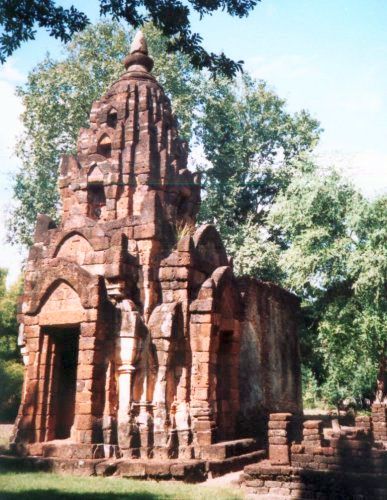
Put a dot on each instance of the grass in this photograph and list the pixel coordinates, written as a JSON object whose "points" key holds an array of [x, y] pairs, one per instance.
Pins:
{"points": [[46, 486]]}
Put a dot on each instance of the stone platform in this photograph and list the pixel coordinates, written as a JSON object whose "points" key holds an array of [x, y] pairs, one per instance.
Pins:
{"points": [[104, 460]]}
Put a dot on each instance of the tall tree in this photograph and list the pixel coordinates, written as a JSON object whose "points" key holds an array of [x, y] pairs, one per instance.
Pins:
{"points": [[336, 260], [19, 20], [253, 145]]}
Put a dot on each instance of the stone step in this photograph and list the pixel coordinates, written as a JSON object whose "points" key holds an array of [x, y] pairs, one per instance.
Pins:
{"points": [[183, 470], [236, 463], [189, 470], [228, 449]]}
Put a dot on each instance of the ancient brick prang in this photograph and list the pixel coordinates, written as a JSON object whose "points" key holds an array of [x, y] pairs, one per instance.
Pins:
{"points": [[138, 339]]}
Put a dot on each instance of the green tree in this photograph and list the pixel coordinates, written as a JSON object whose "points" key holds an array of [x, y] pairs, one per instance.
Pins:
{"points": [[19, 21], [57, 99], [11, 370], [336, 260], [253, 145], [8, 323]]}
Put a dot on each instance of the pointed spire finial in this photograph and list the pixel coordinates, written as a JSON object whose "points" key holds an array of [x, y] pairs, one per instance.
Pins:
{"points": [[138, 60], [139, 44]]}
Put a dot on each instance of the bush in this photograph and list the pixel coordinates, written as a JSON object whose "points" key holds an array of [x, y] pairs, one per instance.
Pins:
{"points": [[311, 394], [11, 376]]}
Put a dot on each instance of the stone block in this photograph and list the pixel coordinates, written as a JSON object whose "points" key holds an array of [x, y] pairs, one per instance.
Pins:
{"points": [[280, 416], [278, 440], [278, 424], [159, 470], [279, 454], [277, 433], [131, 468], [313, 424]]}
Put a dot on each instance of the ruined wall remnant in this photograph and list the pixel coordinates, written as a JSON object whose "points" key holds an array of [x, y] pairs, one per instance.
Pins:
{"points": [[270, 376], [321, 461], [138, 342]]}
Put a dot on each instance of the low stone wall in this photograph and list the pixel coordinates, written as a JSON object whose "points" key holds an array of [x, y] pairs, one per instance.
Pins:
{"points": [[294, 482], [347, 449], [322, 462], [106, 460]]}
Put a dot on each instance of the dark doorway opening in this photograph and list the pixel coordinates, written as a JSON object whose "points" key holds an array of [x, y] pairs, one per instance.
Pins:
{"points": [[65, 342], [225, 424]]}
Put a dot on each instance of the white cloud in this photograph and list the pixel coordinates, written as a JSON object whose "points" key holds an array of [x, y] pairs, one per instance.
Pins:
{"points": [[9, 72], [349, 101], [366, 169]]}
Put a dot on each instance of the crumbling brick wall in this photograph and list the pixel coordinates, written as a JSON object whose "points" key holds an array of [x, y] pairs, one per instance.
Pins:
{"points": [[270, 377]]}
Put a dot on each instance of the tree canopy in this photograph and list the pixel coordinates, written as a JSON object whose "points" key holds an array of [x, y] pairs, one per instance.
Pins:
{"points": [[336, 260], [253, 145], [19, 20]]}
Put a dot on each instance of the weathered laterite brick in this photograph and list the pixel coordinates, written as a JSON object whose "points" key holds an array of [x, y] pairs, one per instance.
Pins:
{"points": [[137, 335]]}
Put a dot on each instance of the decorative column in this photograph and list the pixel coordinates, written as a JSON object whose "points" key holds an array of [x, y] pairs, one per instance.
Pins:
{"points": [[128, 351]]}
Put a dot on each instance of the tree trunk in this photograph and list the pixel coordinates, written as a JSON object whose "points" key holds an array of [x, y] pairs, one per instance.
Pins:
{"points": [[381, 382]]}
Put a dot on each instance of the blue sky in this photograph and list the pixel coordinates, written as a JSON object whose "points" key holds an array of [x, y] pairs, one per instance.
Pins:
{"points": [[327, 56]]}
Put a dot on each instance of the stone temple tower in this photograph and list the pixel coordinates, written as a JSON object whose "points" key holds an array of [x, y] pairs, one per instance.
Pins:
{"points": [[138, 340]]}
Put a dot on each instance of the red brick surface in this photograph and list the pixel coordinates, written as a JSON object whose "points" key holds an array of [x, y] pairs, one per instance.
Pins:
{"points": [[132, 319]]}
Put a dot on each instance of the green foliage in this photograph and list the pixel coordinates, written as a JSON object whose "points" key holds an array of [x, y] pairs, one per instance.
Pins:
{"points": [[11, 371], [8, 323], [19, 21], [11, 376], [252, 144], [335, 259], [254, 254], [57, 99], [314, 216], [311, 393]]}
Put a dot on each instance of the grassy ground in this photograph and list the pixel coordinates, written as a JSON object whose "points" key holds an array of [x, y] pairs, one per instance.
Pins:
{"points": [[46, 486]]}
